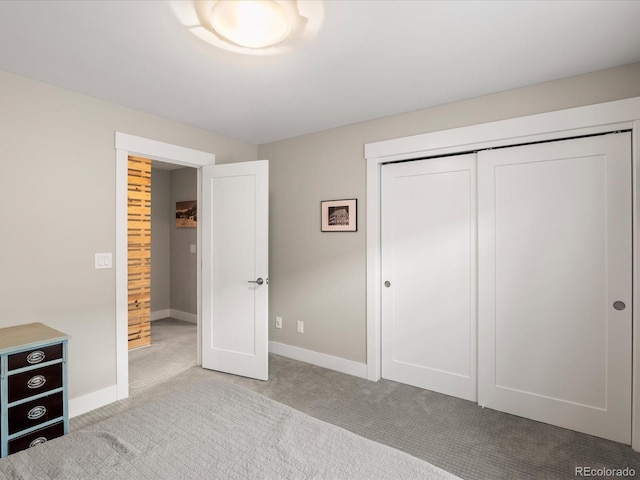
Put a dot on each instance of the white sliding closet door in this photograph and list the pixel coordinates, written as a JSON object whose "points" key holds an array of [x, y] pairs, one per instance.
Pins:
{"points": [[429, 270], [555, 283]]}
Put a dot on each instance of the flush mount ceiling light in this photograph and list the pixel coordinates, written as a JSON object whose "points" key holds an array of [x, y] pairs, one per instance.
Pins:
{"points": [[251, 23], [253, 27]]}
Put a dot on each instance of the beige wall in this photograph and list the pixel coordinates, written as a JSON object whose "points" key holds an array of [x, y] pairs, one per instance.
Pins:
{"points": [[57, 202], [57, 192], [320, 278], [184, 271], [160, 240], [173, 267]]}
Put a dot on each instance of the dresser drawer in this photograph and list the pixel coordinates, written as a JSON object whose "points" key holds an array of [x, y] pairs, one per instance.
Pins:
{"points": [[34, 382], [35, 356], [35, 438], [35, 412]]}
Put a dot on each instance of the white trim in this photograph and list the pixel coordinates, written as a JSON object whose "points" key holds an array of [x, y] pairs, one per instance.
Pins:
{"points": [[93, 400], [600, 118], [635, 387], [541, 126], [164, 152], [131, 145], [338, 364], [184, 316], [374, 272], [199, 273], [160, 314], [122, 312], [173, 313]]}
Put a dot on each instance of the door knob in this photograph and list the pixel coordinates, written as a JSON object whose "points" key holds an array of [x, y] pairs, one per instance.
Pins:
{"points": [[387, 284], [259, 281]]}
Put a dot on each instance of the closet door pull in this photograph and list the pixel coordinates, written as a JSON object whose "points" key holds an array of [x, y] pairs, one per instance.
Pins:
{"points": [[618, 305]]}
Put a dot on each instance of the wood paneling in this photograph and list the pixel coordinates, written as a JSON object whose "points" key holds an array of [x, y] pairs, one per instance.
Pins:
{"points": [[139, 251]]}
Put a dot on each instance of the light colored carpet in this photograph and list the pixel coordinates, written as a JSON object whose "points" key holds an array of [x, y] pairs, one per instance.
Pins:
{"points": [[451, 433], [172, 351], [214, 430]]}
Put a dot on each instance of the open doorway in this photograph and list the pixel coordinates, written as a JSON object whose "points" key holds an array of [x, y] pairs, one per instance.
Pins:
{"points": [[173, 308], [244, 186], [127, 145]]}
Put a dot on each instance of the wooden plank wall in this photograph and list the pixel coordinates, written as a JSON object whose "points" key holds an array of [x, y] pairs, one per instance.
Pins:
{"points": [[139, 251]]}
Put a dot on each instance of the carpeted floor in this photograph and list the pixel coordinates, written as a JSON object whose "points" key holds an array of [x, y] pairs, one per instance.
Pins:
{"points": [[451, 433]]}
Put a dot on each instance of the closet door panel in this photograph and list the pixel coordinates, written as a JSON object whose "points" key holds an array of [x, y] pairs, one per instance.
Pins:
{"points": [[429, 307], [554, 255]]}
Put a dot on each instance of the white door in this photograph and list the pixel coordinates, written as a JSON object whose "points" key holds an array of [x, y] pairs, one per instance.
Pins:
{"points": [[429, 274], [235, 288], [554, 239]]}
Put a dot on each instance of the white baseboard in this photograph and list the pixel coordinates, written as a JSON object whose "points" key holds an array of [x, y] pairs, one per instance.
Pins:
{"points": [[173, 313], [184, 316], [91, 401], [320, 359], [160, 314]]}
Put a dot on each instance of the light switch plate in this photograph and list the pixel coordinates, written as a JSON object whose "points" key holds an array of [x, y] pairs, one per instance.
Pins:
{"points": [[103, 260]]}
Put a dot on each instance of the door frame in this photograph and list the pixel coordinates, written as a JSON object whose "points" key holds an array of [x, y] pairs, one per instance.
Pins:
{"points": [[574, 122], [126, 145]]}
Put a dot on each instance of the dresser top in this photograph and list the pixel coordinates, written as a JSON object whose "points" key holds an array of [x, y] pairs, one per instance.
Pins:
{"points": [[31, 334]]}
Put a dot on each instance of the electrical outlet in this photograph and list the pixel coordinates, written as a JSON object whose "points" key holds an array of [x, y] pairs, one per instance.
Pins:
{"points": [[300, 326], [278, 322]]}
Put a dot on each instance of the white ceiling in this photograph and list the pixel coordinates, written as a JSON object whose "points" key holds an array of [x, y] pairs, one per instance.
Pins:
{"points": [[371, 58]]}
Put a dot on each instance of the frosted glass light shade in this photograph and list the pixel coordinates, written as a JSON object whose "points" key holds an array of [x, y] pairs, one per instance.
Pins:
{"points": [[250, 23]]}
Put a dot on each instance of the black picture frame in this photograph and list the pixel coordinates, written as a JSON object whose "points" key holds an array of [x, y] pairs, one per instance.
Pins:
{"points": [[339, 215]]}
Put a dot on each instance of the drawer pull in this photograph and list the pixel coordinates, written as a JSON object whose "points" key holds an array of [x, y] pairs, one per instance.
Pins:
{"points": [[37, 441], [35, 357], [36, 382], [37, 412]]}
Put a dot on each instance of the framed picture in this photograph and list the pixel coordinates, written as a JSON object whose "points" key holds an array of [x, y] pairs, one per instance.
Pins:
{"points": [[186, 214], [339, 215]]}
